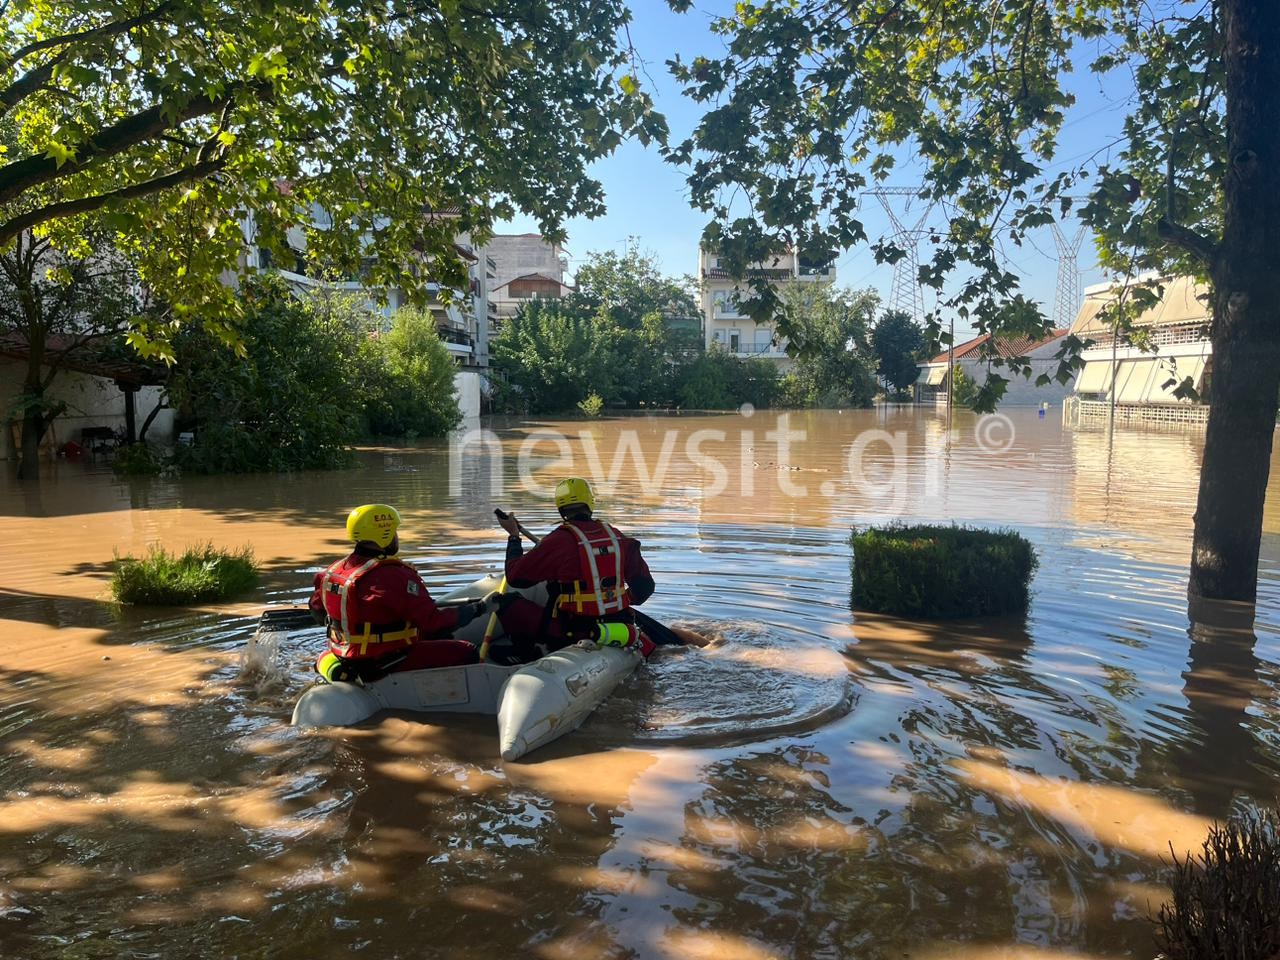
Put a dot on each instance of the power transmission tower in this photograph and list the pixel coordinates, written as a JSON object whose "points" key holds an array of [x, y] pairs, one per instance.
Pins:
{"points": [[1066, 301], [904, 296]]}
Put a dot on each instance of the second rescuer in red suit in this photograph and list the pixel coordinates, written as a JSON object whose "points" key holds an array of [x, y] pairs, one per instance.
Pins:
{"points": [[555, 560]]}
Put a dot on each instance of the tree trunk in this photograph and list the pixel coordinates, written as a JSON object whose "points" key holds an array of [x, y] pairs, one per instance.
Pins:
{"points": [[1246, 315], [34, 422], [33, 427], [161, 404]]}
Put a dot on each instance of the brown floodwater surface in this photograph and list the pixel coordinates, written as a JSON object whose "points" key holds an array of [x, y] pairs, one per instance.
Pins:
{"points": [[813, 784]]}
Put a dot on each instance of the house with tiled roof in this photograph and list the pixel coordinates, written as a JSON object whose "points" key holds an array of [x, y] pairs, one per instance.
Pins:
{"points": [[974, 358]]}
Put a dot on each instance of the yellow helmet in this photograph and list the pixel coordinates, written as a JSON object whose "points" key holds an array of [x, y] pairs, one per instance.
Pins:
{"points": [[574, 491], [374, 522]]}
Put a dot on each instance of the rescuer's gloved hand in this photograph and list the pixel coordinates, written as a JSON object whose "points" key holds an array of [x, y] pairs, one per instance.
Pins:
{"points": [[469, 611]]}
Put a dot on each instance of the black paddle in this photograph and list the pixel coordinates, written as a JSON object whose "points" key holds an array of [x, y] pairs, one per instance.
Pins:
{"points": [[660, 634], [287, 618]]}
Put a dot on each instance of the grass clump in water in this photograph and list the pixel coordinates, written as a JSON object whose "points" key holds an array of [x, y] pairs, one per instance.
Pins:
{"points": [[201, 573], [933, 572], [1226, 902]]}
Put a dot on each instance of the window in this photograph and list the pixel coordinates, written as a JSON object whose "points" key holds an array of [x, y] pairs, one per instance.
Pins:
{"points": [[726, 304]]}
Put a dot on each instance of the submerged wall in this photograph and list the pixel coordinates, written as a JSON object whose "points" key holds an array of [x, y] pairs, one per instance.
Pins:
{"points": [[466, 384], [91, 402]]}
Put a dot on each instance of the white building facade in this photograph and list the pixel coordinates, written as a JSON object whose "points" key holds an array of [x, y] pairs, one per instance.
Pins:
{"points": [[727, 326], [461, 316], [1134, 376]]}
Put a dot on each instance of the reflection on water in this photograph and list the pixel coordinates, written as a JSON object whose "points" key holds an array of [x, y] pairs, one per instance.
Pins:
{"points": [[815, 784]]}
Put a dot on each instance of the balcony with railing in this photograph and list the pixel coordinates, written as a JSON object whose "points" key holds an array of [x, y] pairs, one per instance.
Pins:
{"points": [[761, 350], [456, 340], [1165, 336]]}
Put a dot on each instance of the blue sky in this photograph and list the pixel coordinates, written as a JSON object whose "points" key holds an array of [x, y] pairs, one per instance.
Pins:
{"points": [[647, 198]]}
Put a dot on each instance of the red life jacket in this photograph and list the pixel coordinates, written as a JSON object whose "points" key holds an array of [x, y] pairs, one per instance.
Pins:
{"points": [[600, 589], [361, 640]]}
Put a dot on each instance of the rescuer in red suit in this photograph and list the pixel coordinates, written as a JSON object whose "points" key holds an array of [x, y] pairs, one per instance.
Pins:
{"points": [[594, 573], [379, 614]]}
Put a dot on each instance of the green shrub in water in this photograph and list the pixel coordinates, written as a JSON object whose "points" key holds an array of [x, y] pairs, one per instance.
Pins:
{"points": [[1226, 902], [201, 573], [592, 405], [929, 571], [138, 460]]}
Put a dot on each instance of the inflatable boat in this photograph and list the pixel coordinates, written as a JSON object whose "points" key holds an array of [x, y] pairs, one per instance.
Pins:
{"points": [[535, 703]]}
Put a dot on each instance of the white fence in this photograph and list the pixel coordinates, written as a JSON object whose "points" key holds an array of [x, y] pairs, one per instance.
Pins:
{"points": [[1076, 411]]}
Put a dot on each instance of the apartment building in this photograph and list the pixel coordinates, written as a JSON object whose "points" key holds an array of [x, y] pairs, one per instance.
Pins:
{"points": [[727, 326], [462, 316], [526, 267]]}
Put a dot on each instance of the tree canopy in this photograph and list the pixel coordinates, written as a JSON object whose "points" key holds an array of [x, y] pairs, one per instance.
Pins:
{"points": [[837, 369], [897, 342], [813, 104], [631, 286], [383, 128]]}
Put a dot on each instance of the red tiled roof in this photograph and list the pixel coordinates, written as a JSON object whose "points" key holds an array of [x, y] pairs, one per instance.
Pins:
{"points": [[1005, 346]]}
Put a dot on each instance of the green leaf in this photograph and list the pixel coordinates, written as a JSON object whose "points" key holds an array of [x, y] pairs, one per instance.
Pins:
{"points": [[59, 153]]}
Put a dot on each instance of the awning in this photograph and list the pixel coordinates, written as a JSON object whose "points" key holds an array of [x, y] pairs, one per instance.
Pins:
{"points": [[931, 376], [1132, 379], [1095, 377], [1176, 369]]}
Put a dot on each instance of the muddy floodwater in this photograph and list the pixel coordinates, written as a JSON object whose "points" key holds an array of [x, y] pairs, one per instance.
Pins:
{"points": [[815, 784]]}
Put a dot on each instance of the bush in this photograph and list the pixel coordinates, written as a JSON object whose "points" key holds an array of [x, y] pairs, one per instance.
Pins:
{"points": [[718, 380], [964, 389], [289, 403], [138, 460], [1226, 903], [407, 378], [201, 573], [591, 406], [941, 571]]}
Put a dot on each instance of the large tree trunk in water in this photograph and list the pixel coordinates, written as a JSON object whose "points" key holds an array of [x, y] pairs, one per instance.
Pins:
{"points": [[32, 432], [1246, 315]]}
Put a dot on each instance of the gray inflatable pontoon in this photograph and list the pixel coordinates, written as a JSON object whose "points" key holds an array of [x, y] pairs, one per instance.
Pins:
{"points": [[535, 703]]}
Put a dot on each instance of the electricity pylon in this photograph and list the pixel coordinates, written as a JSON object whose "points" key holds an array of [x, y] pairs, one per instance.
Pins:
{"points": [[1066, 301], [904, 296]]}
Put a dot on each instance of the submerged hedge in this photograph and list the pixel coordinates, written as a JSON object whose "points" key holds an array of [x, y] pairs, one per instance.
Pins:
{"points": [[170, 579], [931, 571]]}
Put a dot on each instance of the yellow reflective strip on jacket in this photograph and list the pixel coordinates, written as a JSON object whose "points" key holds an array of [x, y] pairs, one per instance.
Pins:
{"points": [[581, 598]]}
